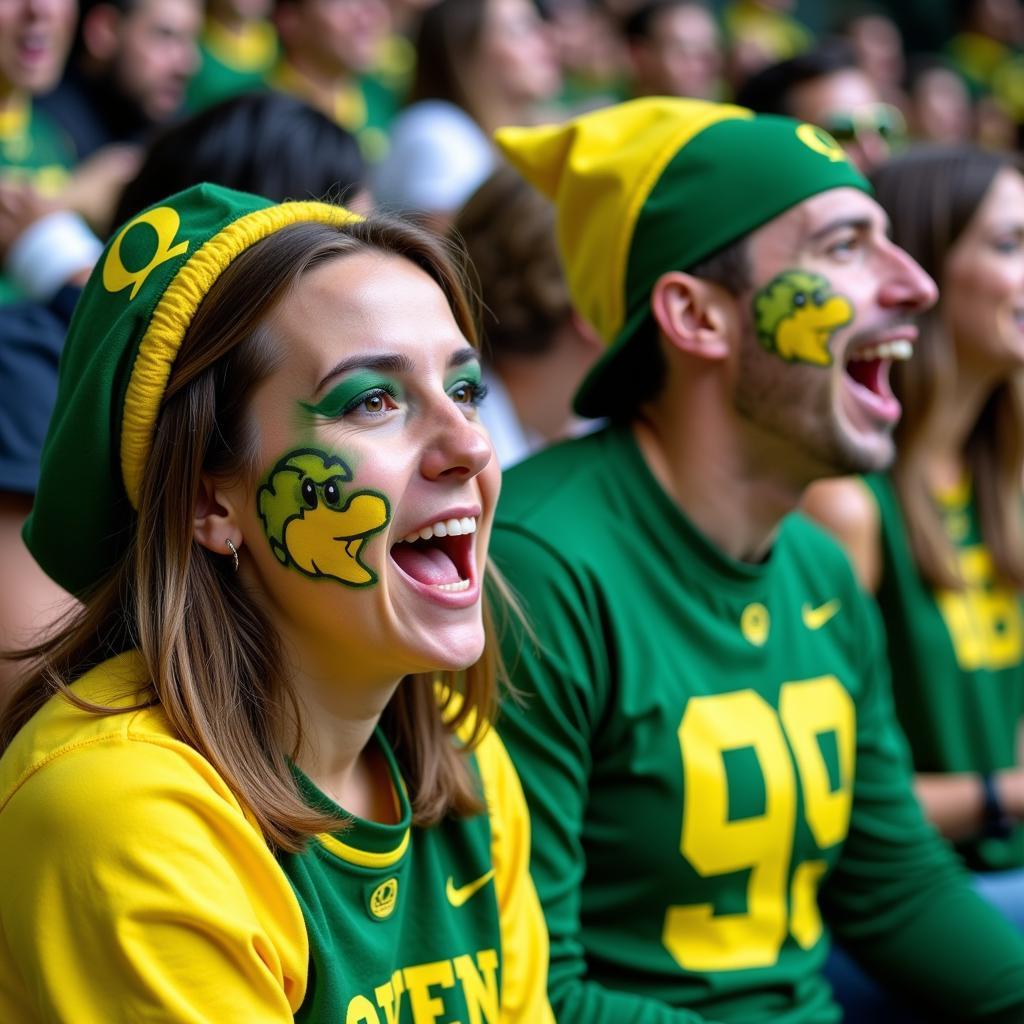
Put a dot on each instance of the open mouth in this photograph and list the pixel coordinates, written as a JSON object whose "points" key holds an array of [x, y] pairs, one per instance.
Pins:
{"points": [[439, 556], [868, 366]]}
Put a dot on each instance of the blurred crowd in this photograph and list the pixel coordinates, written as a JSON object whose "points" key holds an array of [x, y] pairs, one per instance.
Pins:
{"points": [[422, 85], [108, 106]]}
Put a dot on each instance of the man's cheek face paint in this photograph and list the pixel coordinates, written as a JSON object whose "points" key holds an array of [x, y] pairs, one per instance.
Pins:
{"points": [[315, 521], [796, 315]]}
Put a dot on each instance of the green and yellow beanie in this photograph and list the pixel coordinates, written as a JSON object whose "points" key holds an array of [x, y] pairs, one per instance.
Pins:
{"points": [[660, 184], [117, 360]]}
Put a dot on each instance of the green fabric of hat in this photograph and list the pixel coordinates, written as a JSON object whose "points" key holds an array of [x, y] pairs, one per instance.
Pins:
{"points": [[117, 360], [665, 183]]}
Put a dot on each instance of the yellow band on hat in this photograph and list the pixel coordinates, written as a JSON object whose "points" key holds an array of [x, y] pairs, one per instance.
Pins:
{"points": [[173, 315]]}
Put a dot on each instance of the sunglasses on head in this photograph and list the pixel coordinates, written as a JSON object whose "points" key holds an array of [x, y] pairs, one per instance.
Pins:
{"points": [[882, 119]]}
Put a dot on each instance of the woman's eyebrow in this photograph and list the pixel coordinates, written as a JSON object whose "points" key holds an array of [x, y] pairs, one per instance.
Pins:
{"points": [[383, 364]]}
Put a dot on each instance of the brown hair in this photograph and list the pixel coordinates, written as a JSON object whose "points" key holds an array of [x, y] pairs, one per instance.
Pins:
{"points": [[508, 228], [446, 42], [214, 659], [931, 195]]}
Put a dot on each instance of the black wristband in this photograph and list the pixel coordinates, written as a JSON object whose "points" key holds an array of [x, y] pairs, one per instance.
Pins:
{"points": [[996, 823]]}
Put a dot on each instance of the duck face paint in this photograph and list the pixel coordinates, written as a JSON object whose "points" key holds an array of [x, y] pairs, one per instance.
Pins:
{"points": [[797, 313], [315, 521]]}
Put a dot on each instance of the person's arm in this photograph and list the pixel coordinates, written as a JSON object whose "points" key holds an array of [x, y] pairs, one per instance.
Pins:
{"points": [[847, 509], [549, 730], [898, 899], [137, 890]]}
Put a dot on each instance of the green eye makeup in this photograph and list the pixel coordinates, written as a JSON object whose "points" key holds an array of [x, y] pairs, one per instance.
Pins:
{"points": [[346, 395], [469, 373]]}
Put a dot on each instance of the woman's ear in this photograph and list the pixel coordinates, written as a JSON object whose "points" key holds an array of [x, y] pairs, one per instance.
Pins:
{"points": [[214, 521], [692, 314]]}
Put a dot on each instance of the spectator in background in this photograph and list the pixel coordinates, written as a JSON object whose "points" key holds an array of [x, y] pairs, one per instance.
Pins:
{"points": [[128, 73], [132, 63], [265, 143], [878, 48], [939, 539], [328, 48], [480, 64], [34, 42], [238, 48], [675, 49], [826, 87], [938, 103], [762, 32], [590, 52], [537, 348], [987, 51]]}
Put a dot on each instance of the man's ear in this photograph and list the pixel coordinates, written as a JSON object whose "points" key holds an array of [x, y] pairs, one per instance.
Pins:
{"points": [[101, 31], [215, 521], [692, 314]]}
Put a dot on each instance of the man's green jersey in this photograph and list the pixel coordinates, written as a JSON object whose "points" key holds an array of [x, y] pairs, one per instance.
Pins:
{"points": [[957, 656], [712, 763], [121, 840]]}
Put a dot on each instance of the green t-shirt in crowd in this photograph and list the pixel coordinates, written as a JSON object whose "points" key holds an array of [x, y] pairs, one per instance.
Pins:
{"points": [[710, 755], [231, 63], [957, 657], [35, 150]]}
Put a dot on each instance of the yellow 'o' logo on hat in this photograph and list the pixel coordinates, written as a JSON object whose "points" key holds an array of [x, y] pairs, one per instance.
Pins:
{"points": [[165, 222], [820, 141]]}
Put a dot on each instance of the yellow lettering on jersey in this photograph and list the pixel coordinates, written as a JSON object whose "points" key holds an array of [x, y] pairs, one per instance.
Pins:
{"points": [[361, 1011], [698, 938], [164, 220], [477, 976], [389, 997], [808, 709], [984, 619], [804, 916], [480, 987], [419, 980]]}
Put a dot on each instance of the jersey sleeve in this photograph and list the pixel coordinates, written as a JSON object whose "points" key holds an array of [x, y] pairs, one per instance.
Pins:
{"points": [[560, 677], [138, 890], [898, 899], [524, 937]]}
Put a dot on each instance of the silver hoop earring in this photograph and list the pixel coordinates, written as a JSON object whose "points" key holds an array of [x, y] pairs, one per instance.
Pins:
{"points": [[234, 554]]}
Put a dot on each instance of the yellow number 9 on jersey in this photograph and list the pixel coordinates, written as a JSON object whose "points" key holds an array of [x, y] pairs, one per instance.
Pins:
{"points": [[698, 938]]}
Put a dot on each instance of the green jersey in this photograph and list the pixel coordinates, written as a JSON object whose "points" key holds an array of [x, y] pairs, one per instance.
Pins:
{"points": [[33, 149], [185, 913], [957, 657], [231, 63], [365, 107], [710, 756]]}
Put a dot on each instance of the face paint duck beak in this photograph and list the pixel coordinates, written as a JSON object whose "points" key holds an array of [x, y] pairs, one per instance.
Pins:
{"points": [[797, 314], [326, 541]]}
